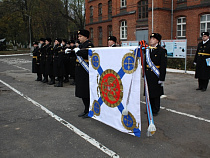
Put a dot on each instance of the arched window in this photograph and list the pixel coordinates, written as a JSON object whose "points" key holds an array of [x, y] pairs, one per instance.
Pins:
{"points": [[100, 36], [91, 34], [205, 23], [143, 9], [123, 30], [181, 27], [123, 3], [109, 9], [99, 11], [91, 14], [109, 30]]}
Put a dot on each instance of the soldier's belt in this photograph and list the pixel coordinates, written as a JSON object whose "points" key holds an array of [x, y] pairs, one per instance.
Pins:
{"points": [[204, 54], [157, 66], [35, 57], [84, 60]]}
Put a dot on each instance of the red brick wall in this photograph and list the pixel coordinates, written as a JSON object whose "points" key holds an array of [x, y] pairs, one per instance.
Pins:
{"points": [[192, 24], [162, 19]]}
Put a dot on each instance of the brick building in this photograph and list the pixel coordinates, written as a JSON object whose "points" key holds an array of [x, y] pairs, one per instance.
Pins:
{"points": [[131, 20]]}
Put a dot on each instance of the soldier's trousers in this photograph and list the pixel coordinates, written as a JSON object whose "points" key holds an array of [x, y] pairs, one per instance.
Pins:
{"points": [[86, 102], [155, 104], [203, 83]]}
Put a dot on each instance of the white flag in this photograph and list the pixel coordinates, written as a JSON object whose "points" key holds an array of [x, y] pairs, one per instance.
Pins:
{"points": [[114, 74]]}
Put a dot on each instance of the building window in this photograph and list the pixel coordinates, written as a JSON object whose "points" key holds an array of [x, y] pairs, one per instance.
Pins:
{"points": [[123, 30], [181, 27], [205, 23], [99, 11], [91, 34], [91, 14], [109, 9], [123, 3], [100, 36], [109, 30], [143, 9]]}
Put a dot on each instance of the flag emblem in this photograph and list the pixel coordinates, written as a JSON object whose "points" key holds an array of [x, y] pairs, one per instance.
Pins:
{"points": [[111, 88]]}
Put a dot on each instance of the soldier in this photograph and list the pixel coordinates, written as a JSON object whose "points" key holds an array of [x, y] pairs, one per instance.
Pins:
{"points": [[66, 61], [202, 70], [42, 58], [58, 66], [77, 44], [81, 75], [155, 71], [36, 61], [49, 61], [112, 41], [72, 57]]}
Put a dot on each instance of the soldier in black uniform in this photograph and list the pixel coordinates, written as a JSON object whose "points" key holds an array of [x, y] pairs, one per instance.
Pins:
{"points": [[66, 61], [49, 61], [42, 58], [77, 44], [58, 60], [81, 75], [158, 56], [202, 70], [72, 57], [36, 61], [112, 41]]}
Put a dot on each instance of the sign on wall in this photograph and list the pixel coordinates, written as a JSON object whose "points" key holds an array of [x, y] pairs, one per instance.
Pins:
{"points": [[175, 48], [129, 43]]}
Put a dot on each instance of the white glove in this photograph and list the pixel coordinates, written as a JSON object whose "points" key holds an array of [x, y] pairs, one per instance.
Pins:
{"points": [[66, 51], [76, 49], [194, 63], [161, 83]]}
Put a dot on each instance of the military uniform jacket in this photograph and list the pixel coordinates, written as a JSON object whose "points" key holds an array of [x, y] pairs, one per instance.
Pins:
{"points": [[58, 65], [81, 75], [66, 61], [42, 58], [202, 53], [159, 58], [72, 57], [36, 60], [49, 59]]}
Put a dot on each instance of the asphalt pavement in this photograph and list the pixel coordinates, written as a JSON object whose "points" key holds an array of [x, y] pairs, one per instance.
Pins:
{"points": [[40, 121]]}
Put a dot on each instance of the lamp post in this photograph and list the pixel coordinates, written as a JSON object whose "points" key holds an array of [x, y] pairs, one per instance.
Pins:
{"points": [[152, 14], [29, 17]]}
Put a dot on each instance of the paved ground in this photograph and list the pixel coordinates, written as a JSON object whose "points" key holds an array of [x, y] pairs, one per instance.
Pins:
{"points": [[38, 120]]}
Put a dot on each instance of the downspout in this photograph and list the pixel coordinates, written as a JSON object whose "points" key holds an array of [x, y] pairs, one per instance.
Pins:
{"points": [[172, 14]]}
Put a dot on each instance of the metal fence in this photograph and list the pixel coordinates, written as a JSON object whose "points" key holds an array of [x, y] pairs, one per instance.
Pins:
{"points": [[191, 52]]}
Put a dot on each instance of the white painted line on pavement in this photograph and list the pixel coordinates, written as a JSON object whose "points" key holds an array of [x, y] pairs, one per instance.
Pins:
{"points": [[10, 55], [67, 124], [182, 113], [21, 68]]}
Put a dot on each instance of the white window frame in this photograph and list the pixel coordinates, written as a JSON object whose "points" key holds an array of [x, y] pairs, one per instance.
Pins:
{"points": [[205, 22], [123, 3], [182, 24], [123, 30]]}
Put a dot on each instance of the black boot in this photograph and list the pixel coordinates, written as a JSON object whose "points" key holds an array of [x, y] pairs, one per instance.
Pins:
{"points": [[52, 82], [45, 80], [59, 84]]}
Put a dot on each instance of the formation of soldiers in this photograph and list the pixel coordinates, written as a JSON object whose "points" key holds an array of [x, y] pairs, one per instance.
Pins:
{"points": [[52, 64]]}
